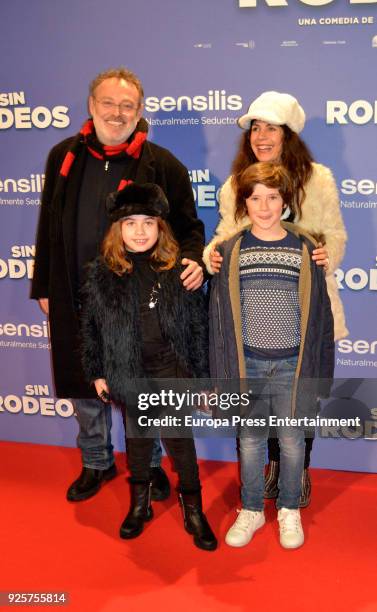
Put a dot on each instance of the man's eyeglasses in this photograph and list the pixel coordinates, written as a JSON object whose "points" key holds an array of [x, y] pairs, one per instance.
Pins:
{"points": [[124, 107]]}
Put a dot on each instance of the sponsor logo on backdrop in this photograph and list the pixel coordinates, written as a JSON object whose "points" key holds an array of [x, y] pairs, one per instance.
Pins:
{"points": [[36, 400], [315, 3], [14, 112], [203, 46], [374, 41], [357, 279], [20, 264], [355, 348], [362, 187], [32, 184], [24, 335], [289, 43], [213, 101], [205, 188], [360, 204], [250, 44], [359, 112], [351, 186]]}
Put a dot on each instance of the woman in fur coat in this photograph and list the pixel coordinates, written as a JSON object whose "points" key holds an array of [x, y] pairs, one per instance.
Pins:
{"points": [[138, 321], [271, 134]]}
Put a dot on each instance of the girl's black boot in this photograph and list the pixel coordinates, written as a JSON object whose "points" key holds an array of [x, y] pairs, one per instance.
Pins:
{"points": [[195, 521], [139, 512]]}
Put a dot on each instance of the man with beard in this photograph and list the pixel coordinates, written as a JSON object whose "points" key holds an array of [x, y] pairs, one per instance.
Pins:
{"points": [[110, 151]]}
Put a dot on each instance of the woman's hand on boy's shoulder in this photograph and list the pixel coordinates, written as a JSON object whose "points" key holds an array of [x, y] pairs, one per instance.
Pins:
{"points": [[321, 257], [215, 260], [192, 276]]}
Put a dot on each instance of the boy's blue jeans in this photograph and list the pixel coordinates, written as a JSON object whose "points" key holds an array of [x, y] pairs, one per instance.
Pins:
{"points": [[272, 391], [94, 439]]}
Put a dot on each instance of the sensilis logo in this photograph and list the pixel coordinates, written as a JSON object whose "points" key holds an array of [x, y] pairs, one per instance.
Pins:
{"points": [[22, 330], [351, 186], [31, 184], [14, 112], [360, 347], [214, 100]]}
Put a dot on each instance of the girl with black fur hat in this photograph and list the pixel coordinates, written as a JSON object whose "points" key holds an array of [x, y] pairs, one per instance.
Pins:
{"points": [[139, 322]]}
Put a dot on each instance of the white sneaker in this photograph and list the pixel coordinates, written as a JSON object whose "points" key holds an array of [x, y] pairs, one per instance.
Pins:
{"points": [[291, 532], [244, 527]]}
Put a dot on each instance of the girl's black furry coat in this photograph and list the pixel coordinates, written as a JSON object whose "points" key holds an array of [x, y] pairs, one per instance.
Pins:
{"points": [[110, 330]]}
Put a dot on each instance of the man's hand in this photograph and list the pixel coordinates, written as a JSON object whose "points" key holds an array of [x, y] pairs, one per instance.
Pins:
{"points": [[215, 260], [321, 256], [43, 304], [192, 276], [102, 389]]}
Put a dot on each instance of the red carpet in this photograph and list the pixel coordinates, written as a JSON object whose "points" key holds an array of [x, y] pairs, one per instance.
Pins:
{"points": [[48, 544]]}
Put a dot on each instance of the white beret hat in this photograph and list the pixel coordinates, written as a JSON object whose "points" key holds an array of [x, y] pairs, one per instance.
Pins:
{"points": [[275, 108]]}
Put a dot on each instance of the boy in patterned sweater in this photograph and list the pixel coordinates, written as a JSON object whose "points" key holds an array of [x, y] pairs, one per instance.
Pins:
{"points": [[283, 324]]}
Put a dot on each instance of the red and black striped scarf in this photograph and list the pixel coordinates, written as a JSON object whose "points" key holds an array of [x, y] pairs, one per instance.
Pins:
{"points": [[87, 138], [86, 142]]}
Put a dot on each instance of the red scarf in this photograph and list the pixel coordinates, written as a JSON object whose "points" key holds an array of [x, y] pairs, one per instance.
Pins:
{"points": [[87, 137]]}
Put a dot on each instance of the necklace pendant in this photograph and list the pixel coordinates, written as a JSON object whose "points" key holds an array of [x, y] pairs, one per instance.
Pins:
{"points": [[153, 298]]}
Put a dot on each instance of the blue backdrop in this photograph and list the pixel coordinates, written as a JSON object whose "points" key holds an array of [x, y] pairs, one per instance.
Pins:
{"points": [[201, 62]]}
